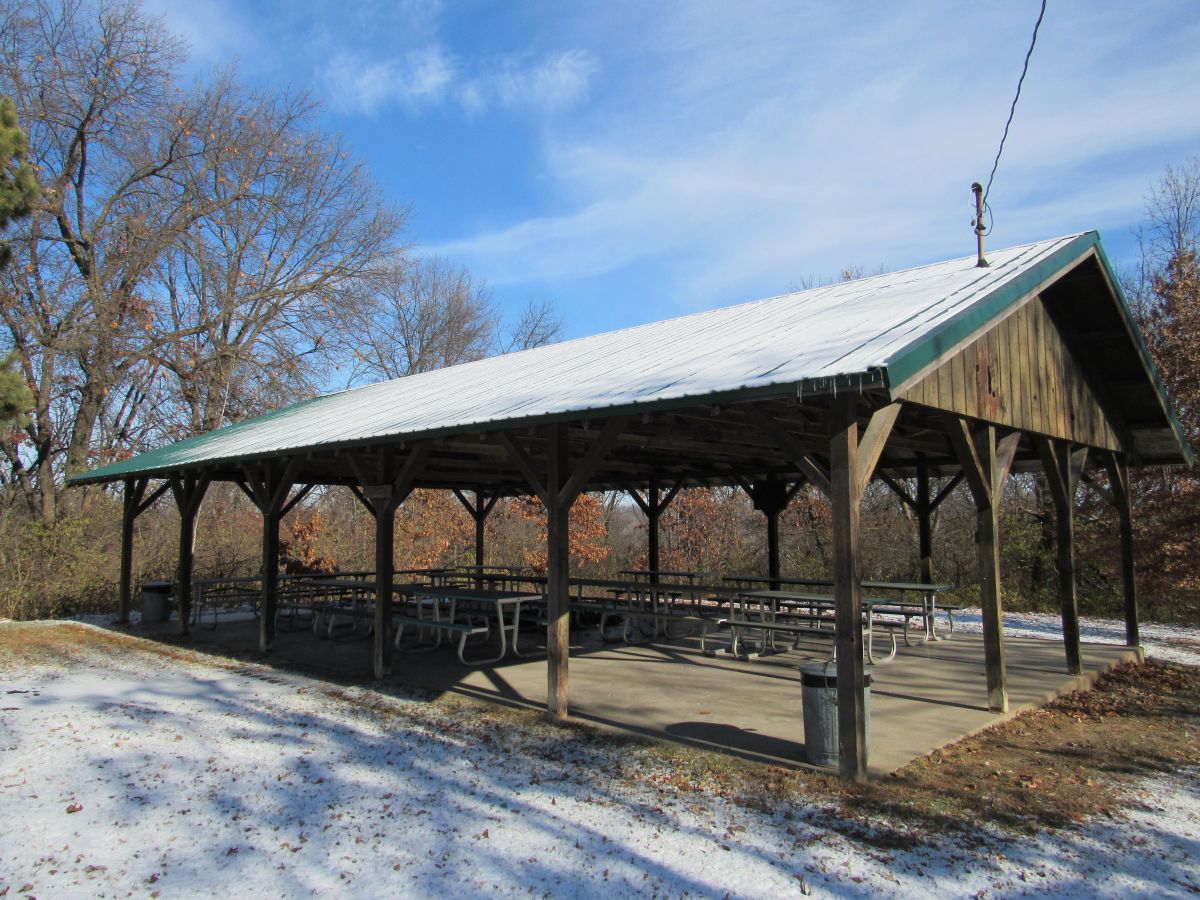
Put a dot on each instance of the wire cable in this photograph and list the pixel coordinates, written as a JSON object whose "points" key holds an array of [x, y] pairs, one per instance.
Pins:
{"points": [[1012, 109]]}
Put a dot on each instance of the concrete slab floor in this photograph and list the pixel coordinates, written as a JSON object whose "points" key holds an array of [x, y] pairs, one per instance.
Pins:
{"points": [[930, 695]]}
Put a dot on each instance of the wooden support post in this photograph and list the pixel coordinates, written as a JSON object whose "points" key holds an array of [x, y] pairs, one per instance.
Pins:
{"points": [[770, 497], [924, 511], [480, 528], [1062, 468], [653, 505], [385, 574], [478, 508], [268, 486], [131, 504], [188, 491], [987, 528], [270, 580], [1118, 477], [773, 545], [845, 493], [382, 493], [985, 467], [652, 513], [558, 567], [558, 487]]}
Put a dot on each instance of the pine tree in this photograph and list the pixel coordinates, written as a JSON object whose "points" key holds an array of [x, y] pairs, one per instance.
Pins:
{"points": [[18, 183]]}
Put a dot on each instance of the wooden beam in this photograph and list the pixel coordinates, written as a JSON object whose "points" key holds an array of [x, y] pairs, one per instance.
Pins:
{"points": [[586, 467], [795, 489], [283, 483], [844, 496], [358, 467], [968, 458], [874, 440], [638, 499], [296, 498], [923, 506], [947, 490], [788, 446], [385, 568], [402, 482], [466, 504], [362, 498], [898, 489], [245, 489], [671, 493], [149, 501], [1006, 452], [523, 462]]}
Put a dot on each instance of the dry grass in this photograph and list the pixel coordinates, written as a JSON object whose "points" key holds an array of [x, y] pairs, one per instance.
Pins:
{"points": [[1049, 767]]}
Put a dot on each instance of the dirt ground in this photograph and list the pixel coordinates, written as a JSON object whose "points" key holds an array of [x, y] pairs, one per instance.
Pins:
{"points": [[1047, 768]]}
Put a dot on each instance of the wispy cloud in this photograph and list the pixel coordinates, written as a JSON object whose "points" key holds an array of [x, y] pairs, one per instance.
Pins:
{"points": [[551, 84], [427, 77], [418, 79], [757, 150]]}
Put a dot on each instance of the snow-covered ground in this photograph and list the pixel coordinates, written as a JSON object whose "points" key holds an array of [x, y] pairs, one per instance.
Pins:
{"points": [[133, 772], [1172, 643]]}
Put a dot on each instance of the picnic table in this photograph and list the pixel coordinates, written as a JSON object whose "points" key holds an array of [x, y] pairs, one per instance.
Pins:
{"points": [[509, 580], [798, 613], [452, 609], [928, 603], [656, 575], [227, 594], [327, 600]]}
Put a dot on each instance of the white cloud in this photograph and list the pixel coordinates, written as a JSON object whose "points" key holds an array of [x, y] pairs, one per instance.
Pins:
{"points": [[552, 84], [417, 79], [425, 78]]}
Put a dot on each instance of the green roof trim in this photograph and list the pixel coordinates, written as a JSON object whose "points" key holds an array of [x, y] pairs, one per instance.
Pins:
{"points": [[931, 347], [1139, 342], [165, 459]]}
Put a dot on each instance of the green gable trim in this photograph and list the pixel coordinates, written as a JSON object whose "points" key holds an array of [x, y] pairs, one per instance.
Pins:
{"points": [[932, 347], [935, 344], [1139, 342]]}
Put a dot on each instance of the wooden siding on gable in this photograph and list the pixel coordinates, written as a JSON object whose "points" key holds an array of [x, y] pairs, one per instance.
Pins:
{"points": [[1019, 374]]}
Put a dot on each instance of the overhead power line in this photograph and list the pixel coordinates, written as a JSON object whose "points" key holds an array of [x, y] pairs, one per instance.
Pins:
{"points": [[1012, 109]]}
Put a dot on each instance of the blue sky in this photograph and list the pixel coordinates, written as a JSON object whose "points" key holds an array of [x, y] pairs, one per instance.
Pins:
{"points": [[637, 160]]}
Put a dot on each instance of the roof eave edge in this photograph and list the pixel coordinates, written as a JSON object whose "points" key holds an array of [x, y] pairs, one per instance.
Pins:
{"points": [[872, 379]]}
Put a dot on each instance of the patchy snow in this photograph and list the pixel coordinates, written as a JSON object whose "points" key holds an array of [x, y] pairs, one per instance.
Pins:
{"points": [[1172, 643], [133, 772]]}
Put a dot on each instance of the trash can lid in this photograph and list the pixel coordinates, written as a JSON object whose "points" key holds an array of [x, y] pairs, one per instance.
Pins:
{"points": [[824, 674]]}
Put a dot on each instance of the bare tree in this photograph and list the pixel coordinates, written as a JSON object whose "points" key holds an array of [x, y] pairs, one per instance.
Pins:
{"points": [[197, 248], [537, 324], [87, 84], [427, 314], [261, 292]]}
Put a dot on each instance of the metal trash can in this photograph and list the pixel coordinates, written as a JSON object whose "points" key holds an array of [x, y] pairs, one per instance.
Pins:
{"points": [[156, 602], [819, 689]]}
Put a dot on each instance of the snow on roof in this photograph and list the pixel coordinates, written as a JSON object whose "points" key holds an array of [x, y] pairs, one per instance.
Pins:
{"points": [[793, 341]]}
